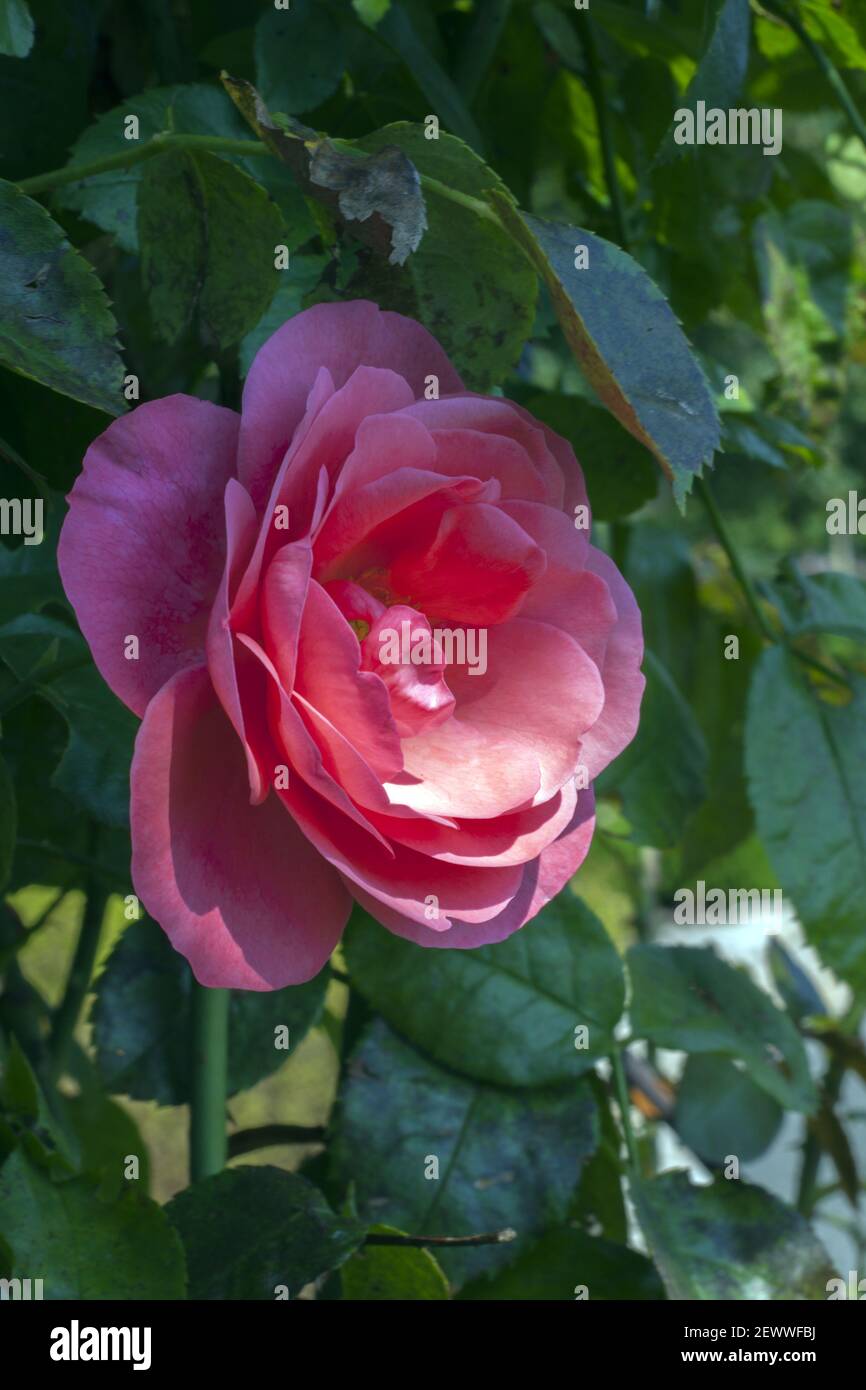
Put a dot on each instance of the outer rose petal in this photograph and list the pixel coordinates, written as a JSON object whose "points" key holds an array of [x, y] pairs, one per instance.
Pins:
{"points": [[542, 880], [141, 551], [340, 337], [622, 678], [238, 889]]}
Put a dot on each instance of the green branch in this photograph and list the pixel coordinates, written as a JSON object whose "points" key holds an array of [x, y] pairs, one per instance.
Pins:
{"points": [[625, 1111], [125, 159], [208, 1144]]}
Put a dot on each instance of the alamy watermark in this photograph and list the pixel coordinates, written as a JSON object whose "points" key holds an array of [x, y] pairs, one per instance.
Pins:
{"points": [[22, 518], [699, 908], [737, 126], [438, 646]]}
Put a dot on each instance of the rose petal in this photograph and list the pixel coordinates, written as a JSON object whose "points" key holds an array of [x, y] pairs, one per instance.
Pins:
{"points": [[340, 337], [141, 551], [238, 889]]}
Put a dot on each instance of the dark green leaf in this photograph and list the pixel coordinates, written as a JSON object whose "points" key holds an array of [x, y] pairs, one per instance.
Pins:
{"points": [[445, 100], [825, 603], [300, 55], [190, 207], [94, 769], [619, 472], [804, 761], [504, 1159], [687, 998], [661, 775], [721, 70], [27, 1118], [82, 1246], [249, 1231], [519, 1002], [626, 340], [142, 1022], [730, 1241], [566, 1264], [720, 1111], [55, 322]]}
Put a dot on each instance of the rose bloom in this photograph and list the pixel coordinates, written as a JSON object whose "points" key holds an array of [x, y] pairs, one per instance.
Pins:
{"points": [[282, 768]]}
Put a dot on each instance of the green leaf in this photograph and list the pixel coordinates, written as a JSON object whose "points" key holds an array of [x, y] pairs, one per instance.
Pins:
{"points": [[35, 739], [721, 71], [94, 769], [27, 1118], [836, 32], [28, 574], [109, 200], [688, 999], [295, 284], [479, 304], [566, 1261], [8, 823], [718, 698], [720, 1111], [730, 1241], [248, 1231], [826, 602], [108, 1135], [392, 1272], [661, 776], [82, 1246], [619, 471], [445, 99], [142, 1021], [190, 206], [16, 28], [55, 322], [804, 760], [626, 340], [300, 55], [562, 972], [505, 1158]]}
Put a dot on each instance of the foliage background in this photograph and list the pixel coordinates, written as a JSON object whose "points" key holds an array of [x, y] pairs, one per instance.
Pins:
{"points": [[745, 773]]}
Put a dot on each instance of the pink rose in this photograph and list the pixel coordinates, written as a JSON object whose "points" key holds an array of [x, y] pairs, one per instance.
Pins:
{"points": [[311, 585]]}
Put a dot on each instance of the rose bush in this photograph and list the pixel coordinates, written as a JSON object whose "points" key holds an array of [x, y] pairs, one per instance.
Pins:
{"points": [[282, 769]]}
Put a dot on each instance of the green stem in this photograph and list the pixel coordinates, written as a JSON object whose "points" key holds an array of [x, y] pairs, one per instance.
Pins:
{"points": [[807, 1193], [823, 62], [65, 1019], [625, 1111], [125, 159], [208, 1145], [605, 133], [720, 526], [41, 485]]}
